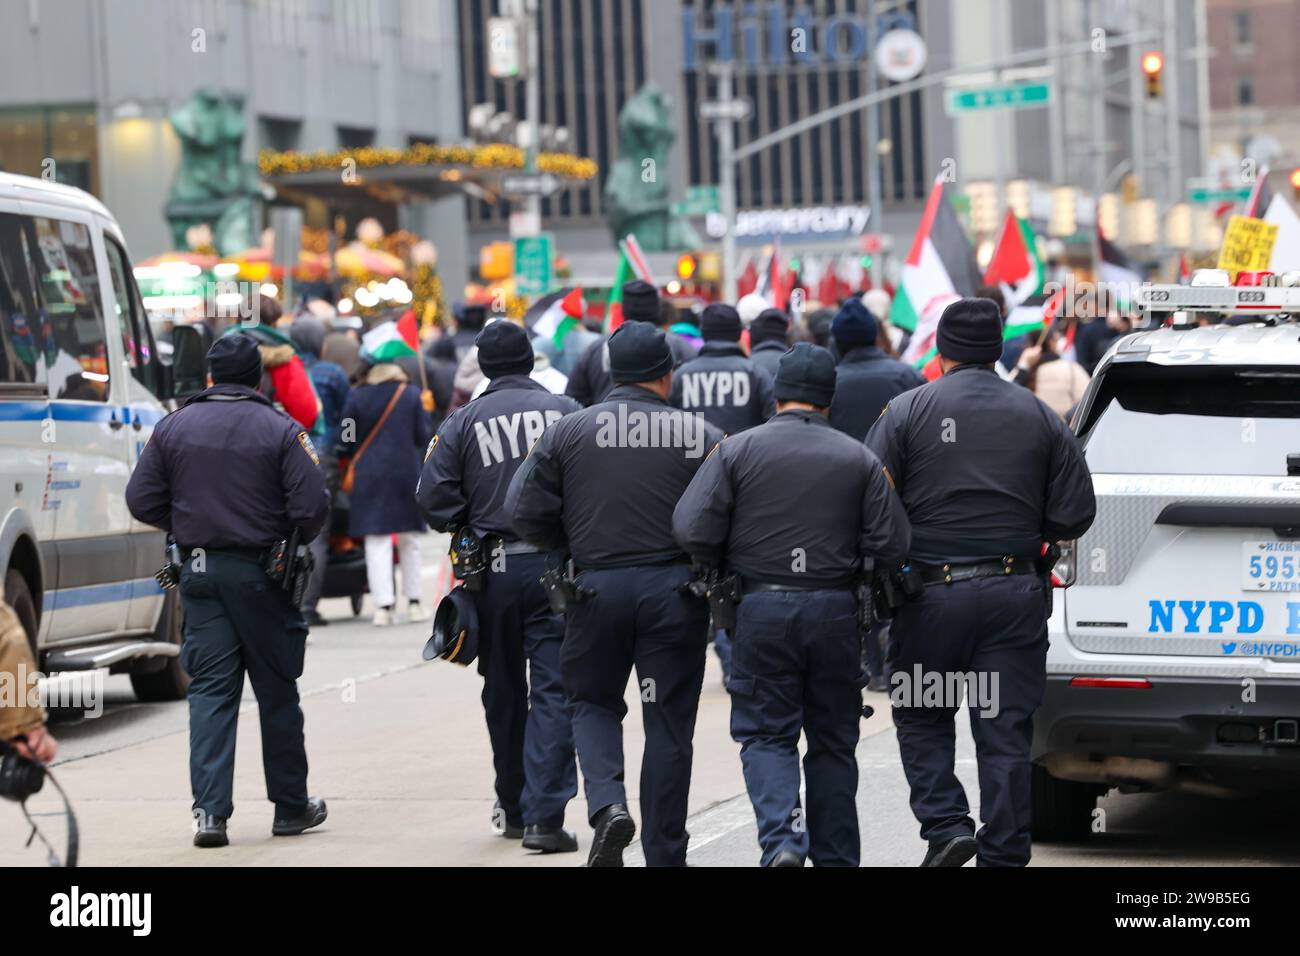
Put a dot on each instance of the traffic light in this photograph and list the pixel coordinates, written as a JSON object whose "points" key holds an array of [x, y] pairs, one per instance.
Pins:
{"points": [[686, 267], [1294, 179], [1153, 65]]}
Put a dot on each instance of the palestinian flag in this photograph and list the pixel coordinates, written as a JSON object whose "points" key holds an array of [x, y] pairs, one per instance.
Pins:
{"points": [[390, 341], [1261, 197], [773, 285], [562, 317], [631, 265], [941, 267], [1015, 265]]}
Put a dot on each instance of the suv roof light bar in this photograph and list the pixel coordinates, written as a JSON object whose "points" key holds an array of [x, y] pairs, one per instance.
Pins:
{"points": [[1251, 298]]}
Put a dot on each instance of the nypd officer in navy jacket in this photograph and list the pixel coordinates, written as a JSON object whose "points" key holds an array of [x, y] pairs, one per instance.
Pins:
{"points": [[466, 473], [236, 619], [987, 473], [722, 383], [866, 378], [602, 484], [796, 647]]}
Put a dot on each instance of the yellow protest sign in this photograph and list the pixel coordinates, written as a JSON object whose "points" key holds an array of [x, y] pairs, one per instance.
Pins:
{"points": [[1247, 245]]}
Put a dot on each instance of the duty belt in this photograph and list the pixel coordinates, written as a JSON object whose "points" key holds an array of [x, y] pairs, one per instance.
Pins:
{"points": [[953, 572], [248, 554], [517, 547], [762, 587]]}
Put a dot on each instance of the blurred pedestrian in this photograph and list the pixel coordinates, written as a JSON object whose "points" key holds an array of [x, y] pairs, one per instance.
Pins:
{"points": [[342, 346], [387, 429], [331, 383], [590, 381], [769, 336], [1060, 382]]}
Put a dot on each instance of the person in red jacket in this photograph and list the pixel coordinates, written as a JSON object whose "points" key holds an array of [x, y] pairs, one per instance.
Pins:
{"points": [[286, 383]]}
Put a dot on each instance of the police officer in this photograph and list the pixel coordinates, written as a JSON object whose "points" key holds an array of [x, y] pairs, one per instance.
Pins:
{"points": [[867, 378], [768, 339], [987, 473], [237, 619], [602, 484], [466, 473], [796, 646], [730, 391], [590, 381]]}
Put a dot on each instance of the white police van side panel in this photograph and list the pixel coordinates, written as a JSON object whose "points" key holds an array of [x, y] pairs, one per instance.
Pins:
{"points": [[141, 412], [88, 463], [73, 419]]}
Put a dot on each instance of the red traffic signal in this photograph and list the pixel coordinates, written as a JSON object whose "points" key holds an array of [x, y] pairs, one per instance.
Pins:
{"points": [[1153, 65]]}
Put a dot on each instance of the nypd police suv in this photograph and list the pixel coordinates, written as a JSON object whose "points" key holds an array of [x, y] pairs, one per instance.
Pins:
{"points": [[1175, 652]]}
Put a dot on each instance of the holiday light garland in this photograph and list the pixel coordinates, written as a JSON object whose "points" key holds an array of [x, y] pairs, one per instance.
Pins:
{"points": [[492, 156]]}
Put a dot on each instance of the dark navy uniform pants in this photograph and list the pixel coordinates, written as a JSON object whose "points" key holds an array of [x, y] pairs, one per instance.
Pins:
{"points": [[796, 660], [638, 618], [238, 622], [527, 713], [995, 630]]}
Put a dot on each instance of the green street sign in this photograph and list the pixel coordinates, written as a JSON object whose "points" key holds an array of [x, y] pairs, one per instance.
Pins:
{"points": [[699, 201], [1011, 96], [534, 265], [1204, 194]]}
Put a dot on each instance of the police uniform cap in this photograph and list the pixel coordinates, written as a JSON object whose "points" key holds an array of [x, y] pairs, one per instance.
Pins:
{"points": [[970, 330], [455, 629], [235, 360], [854, 326], [806, 373], [638, 353], [771, 325], [504, 349], [640, 302], [720, 322]]}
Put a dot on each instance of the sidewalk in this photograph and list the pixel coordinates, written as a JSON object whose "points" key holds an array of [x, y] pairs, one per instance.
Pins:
{"points": [[403, 760]]}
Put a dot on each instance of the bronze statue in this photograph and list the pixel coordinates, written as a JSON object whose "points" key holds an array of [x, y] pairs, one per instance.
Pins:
{"points": [[636, 193]]}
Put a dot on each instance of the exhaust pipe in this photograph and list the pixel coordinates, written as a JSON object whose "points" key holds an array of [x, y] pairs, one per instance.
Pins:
{"points": [[1131, 772]]}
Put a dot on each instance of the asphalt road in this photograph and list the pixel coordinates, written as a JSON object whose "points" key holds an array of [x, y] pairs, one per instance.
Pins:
{"points": [[394, 738]]}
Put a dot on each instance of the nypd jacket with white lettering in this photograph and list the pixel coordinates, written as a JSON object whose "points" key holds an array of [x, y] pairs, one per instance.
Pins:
{"points": [[726, 387], [227, 470], [478, 449], [602, 483], [740, 508], [984, 468]]}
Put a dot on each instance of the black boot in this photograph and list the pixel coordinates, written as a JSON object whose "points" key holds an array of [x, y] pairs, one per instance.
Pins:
{"points": [[614, 831], [312, 815], [549, 839], [954, 852], [501, 824], [787, 858]]}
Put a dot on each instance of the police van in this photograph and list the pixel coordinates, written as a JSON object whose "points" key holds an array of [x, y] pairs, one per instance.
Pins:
{"points": [[1175, 652], [81, 387]]}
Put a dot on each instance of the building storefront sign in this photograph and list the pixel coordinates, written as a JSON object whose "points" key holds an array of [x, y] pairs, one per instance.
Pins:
{"points": [[815, 222]]}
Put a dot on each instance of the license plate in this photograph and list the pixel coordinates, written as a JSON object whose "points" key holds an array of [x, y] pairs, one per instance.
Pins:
{"points": [[1270, 565]]}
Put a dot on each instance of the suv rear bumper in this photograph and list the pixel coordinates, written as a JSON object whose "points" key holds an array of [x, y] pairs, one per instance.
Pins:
{"points": [[1201, 723]]}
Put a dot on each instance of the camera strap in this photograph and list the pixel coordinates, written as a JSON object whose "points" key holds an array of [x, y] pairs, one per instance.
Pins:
{"points": [[74, 837]]}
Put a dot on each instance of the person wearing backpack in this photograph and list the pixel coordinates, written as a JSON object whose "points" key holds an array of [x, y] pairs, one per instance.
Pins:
{"points": [[386, 429]]}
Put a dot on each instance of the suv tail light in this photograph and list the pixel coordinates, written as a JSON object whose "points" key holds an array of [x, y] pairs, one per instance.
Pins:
{"points": [[1063, 572]]}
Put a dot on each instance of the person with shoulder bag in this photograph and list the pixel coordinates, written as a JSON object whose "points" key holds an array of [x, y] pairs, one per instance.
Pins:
{"points": [[386, 428]]}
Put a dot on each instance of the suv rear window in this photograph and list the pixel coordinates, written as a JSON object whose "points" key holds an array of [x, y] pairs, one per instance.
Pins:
{"points": [[1204, 420]]}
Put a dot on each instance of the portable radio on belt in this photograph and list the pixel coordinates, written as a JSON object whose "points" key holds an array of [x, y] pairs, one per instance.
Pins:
{"points": [[169, 575]]}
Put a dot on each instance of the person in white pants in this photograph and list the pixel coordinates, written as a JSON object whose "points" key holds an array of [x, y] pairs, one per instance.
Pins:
{"points": [[379, 569]]}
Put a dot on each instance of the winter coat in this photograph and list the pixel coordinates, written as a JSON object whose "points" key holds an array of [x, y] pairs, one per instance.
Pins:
{"points": [[383, 494], [290, 386]]}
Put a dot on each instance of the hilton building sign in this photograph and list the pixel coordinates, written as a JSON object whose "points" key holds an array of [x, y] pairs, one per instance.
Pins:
{"points": [[763, 34]]}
